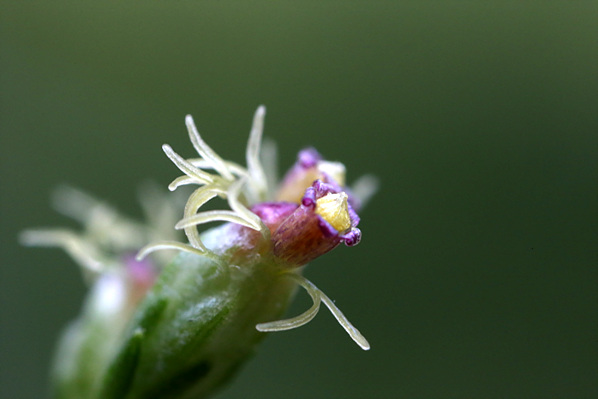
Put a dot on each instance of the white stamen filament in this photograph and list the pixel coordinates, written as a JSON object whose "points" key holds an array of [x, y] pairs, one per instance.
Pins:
{"points": [[317, 295], [77, 204], [205, 151], [364, 188], [234, 203], [269, 156], [75, 246], [253, 148], [213, 216], [233, 167], [344, 322], [297, 321], [160, 245], [186, 167], [195, 201], [182, 181]]}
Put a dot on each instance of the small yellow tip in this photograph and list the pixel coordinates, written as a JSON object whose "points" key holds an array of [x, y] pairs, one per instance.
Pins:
{"points": [[335, 210]]}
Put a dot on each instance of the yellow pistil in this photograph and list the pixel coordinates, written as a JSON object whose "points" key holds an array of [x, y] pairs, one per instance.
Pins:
{"points": [[335, 210]]}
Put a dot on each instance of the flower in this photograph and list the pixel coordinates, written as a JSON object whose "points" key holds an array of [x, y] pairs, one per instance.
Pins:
{"points": [[310, 213], [180, 326]]}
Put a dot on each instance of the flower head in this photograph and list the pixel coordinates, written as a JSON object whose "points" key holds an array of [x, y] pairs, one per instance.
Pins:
{"points": [[309, 214], [179, 326]]}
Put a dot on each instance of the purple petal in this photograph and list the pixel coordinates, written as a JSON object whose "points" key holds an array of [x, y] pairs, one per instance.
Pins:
{"points": [[353, 237], [308, 158]]}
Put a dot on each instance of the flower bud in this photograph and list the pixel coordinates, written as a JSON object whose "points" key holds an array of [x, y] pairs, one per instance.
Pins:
{"points": [[318, 225]]}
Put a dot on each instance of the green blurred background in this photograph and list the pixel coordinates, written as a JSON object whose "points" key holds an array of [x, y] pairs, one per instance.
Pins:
{"points": [[477, 274]]}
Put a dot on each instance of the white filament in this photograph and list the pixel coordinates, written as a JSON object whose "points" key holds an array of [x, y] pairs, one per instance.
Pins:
{"points": [[212, 216], [364, 188], [233, 167], [233, 201], [269, 158], [254, 165], [185, 167], [317, 295], [181, 181], [297, 321], [160, 245], [205, 151], [195, 201], [75, 246]]}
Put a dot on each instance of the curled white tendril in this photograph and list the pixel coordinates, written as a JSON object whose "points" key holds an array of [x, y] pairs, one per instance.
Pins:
{"points": [[317, 296]]}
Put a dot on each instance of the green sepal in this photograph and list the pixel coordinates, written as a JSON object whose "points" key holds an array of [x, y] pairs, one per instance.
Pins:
{"points": [[120, 374], [89, 344], [198, 323]]}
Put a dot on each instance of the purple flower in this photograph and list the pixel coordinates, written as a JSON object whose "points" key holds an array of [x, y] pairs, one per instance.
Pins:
{"points": [[310, 213], [179, 325]]}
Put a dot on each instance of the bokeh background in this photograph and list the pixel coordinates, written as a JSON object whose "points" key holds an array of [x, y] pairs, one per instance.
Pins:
{"points": [[477, 274]]}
